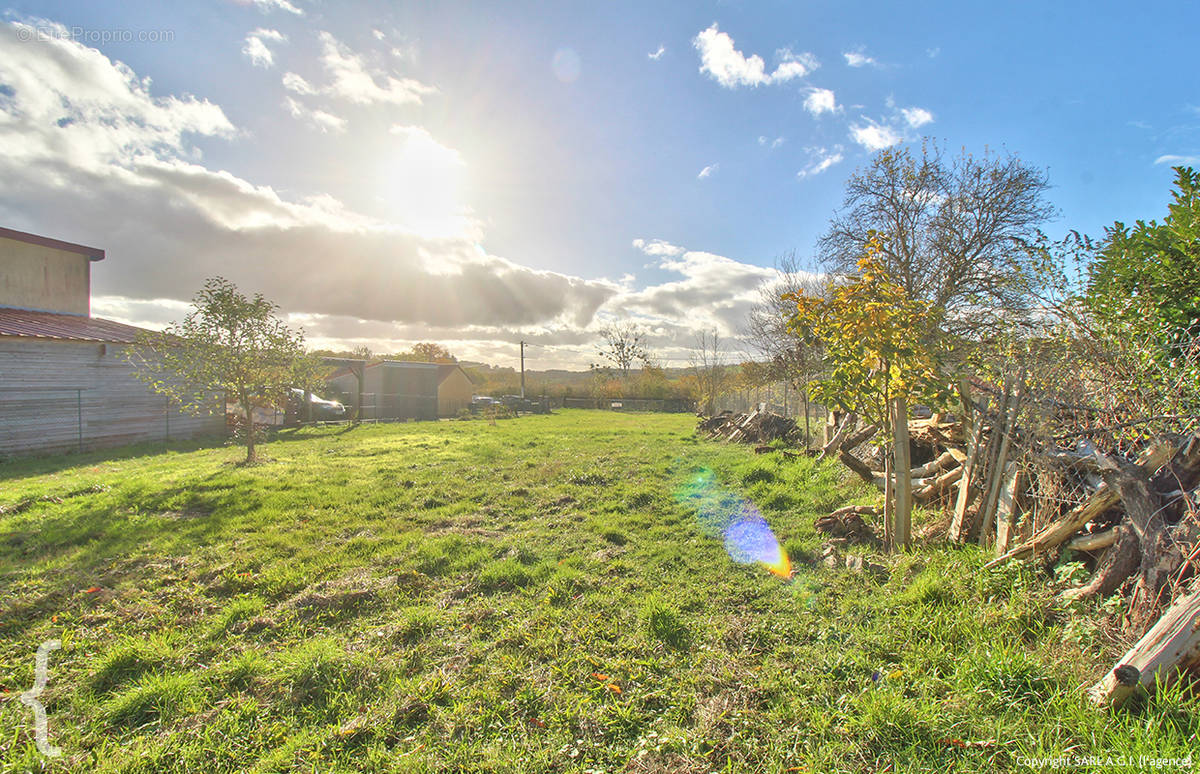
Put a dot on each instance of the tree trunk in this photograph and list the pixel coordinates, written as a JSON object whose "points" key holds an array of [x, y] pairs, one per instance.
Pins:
{"points": [[1171, 646], [1118, 563], [807, 430], [249, 410], [1144, 514]]}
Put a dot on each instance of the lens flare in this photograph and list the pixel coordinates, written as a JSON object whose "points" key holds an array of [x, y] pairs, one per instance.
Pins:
{"points": [[721, 514]]}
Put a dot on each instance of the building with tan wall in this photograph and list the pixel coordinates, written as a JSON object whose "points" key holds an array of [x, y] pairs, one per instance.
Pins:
{"points": [[45, 275], [455, 389]]}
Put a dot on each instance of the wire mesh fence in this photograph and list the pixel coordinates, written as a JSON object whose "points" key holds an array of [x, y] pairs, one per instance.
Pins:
{"points": [[47, 420]]}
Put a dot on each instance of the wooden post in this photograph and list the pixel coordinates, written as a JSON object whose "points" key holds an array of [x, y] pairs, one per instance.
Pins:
{"points": [[996, 475], [973, 420], [889, 506], [1009, 508], [903, 473]]}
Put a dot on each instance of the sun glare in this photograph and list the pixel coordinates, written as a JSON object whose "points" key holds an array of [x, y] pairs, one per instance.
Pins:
{"points": [[746, 534], [422, 184]]}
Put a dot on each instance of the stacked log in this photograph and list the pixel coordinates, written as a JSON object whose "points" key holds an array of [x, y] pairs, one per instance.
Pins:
{"points": [[1132, 510], [756, 427]]}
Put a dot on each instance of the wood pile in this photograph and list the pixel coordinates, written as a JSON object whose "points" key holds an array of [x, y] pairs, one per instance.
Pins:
{"points": [[757, 427], [848, 523], [1128, 506], [1131, 513]]}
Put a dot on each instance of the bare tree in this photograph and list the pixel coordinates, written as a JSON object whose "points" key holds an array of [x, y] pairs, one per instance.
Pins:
{"points": [[624, 344], [956, 230], [708, 366], [790, 358]]}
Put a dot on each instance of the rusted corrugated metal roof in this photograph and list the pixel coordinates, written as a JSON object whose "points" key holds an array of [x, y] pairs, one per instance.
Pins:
{"points": [[69, 327]]}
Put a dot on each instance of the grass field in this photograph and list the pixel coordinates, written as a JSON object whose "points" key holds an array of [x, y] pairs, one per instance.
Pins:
{"points": [[535, 595]]}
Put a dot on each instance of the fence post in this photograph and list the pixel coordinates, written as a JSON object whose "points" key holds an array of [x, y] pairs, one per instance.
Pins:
{"points": [[79, 416], [903, 473]]}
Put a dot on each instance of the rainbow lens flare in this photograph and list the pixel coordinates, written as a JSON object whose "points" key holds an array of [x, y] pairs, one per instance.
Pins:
{"points": [[747, 535]]}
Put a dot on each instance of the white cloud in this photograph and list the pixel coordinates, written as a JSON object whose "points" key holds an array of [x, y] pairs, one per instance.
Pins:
{"points": [[820, 101], [731, 68], [859, 59], [708, 171], [821, 159], [70, 104], [873, 136], [354, 81], [714, 291], [320, 120], [266, 6], [916, 117], [765, 141], [656, 55], [657, 247], [296, 84], [257, 46], [1176, 161]]}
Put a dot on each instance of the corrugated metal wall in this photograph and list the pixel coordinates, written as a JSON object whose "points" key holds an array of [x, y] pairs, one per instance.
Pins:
{"points": [[58, 396]]}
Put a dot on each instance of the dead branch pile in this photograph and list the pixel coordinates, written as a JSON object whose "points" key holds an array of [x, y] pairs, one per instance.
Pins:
{"points": [[757, 427], [1127, 508], [848, 523]]}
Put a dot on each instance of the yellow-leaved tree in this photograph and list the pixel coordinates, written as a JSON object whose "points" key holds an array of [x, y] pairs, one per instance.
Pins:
{"points": [[881, 353]]}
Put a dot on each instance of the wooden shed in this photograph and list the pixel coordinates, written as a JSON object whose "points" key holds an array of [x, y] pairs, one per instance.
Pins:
{"points": [[455, 389], [65, 382]]}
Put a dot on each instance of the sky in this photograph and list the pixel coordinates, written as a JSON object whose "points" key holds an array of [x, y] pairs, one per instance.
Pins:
{"points": [[481, 173]]}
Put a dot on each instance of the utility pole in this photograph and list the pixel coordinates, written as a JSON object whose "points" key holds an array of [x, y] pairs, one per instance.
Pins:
{"points": [[522, 370]]}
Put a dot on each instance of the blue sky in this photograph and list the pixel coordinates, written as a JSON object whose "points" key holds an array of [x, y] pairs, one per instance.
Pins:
{"points": [[479, 173]]}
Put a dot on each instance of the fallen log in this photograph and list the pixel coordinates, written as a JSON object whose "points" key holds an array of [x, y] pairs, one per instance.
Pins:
{"points": [[1061, 529], [1093, 542], [835, 443], [945, 461], [938, 485], [1170, 648], [859, 438], [858, 466], [1145, 543]]}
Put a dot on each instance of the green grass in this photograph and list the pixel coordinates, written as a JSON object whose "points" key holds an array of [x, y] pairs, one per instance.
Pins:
{"points": [[535, 595]]}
